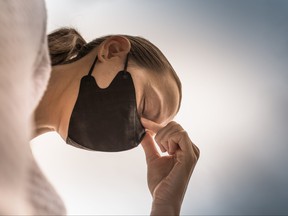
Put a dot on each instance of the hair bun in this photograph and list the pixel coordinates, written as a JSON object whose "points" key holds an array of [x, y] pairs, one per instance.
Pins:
{"points": [[64, 45]]}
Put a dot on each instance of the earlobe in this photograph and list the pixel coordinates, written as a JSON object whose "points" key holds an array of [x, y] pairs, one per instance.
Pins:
{"points": [[114, 46]]}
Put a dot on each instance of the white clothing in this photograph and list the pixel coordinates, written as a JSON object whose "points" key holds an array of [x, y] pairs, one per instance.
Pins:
{"points": [[24, 74]]}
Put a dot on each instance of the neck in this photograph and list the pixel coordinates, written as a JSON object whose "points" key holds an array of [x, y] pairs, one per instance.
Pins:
{"points": [[55, 108], [47, 115]]}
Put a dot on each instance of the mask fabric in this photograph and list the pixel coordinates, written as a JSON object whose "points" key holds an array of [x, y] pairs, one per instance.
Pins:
{"points": [[106, 119]]}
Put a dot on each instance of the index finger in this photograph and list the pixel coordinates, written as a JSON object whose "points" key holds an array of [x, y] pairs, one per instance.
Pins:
{"points": [[149, 147], [151, 125]]}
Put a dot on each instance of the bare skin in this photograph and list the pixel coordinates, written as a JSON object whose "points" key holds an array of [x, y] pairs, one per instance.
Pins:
{"points": [[167, 176]]}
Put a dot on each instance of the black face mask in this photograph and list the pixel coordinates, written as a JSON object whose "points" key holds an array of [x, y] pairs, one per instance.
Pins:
{"points": [[106, 119]]}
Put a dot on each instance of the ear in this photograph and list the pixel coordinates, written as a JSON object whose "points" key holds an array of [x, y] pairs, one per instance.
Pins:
{"points": [[114, 46]]}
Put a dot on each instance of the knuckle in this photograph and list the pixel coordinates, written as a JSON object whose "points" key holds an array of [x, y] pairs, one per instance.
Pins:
{"points": [[176, 127], [172, 123], [179, 135], [194, 157], [183, 133], [197, 151], [175, 124]]}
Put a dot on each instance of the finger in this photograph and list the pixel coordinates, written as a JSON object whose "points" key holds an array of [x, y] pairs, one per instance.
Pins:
{"points": [[164, 134], [196, 150], [164, 146], [187, 149], [151, 126], [164, 131], [161, 137], [183, 141], [149, 147], [172, 147]]}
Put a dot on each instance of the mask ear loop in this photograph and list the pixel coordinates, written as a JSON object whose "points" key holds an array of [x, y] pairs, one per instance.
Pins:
{"points": [[126, 63], [92, 67]]}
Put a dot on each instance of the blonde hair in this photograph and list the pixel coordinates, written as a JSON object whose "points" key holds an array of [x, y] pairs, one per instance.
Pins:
{"points": [[66, 45]]}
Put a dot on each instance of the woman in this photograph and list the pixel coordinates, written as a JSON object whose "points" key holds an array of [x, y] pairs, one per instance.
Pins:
{"points": [[138, 93]]}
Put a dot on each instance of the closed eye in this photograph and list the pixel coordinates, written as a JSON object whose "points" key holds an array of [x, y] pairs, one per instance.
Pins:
{"points": [[143, 107]]}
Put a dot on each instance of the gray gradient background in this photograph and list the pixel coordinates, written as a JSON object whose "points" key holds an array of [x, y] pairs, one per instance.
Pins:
{"points": [[232, 58]]}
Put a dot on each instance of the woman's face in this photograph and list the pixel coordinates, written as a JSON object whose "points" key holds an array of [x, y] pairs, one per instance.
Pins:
{"points": [[157, 95]]}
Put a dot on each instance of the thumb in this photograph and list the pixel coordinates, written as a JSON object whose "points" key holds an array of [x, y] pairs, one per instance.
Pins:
{"points": [[149, 147]]}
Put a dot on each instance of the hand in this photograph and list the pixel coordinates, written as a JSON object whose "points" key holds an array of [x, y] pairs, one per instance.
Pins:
{"points": [[168, 176]]}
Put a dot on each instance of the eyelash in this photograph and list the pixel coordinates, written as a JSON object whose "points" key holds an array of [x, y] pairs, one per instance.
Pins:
{"points": [[143, 108]]}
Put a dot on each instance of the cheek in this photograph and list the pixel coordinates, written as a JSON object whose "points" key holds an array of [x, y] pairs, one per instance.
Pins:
{"points": [[138, 102], [139, 95]]}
